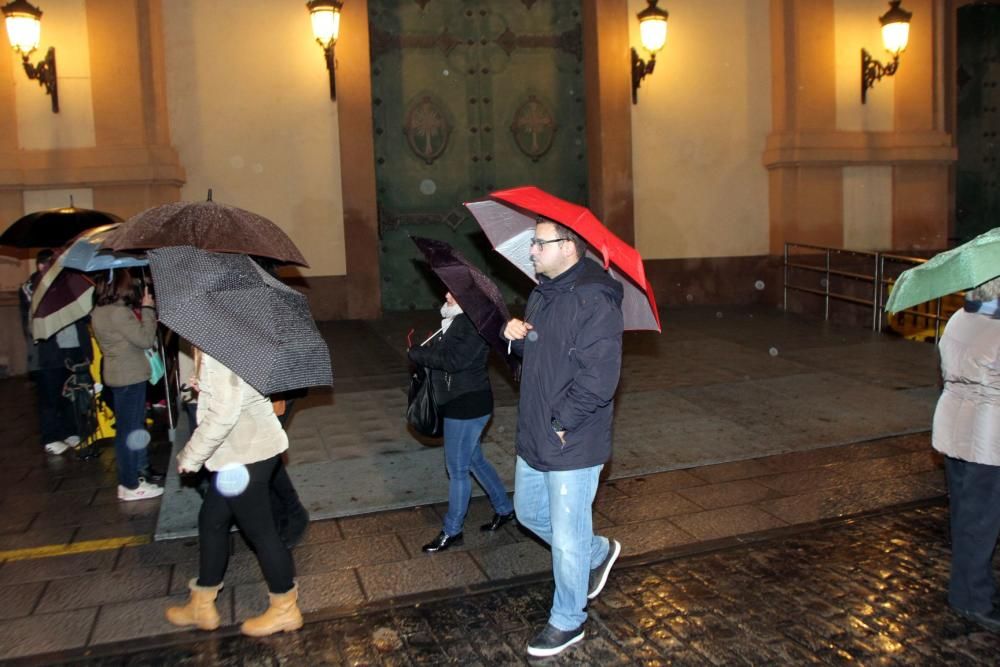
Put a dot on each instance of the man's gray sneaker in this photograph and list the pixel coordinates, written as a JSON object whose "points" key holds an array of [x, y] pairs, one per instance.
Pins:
{"points": [[599, 575], [551, 640]]}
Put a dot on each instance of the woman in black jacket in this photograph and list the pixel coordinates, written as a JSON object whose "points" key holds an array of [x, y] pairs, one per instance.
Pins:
{"points": [[457, 357]]}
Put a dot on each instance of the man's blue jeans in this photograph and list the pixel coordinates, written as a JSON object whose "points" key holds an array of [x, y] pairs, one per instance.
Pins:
{"points": [[556, 506], [130, 416], [462, 454]]}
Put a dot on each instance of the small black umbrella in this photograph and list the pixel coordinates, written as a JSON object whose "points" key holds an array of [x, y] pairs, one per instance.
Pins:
{"points": [[233, 310], [53, 227], [478, 296]]}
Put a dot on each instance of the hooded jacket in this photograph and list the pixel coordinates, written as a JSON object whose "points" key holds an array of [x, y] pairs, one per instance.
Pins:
{"points": [[572, 362]]}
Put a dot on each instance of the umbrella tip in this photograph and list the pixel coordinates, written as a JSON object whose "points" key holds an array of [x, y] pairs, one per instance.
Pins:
{"points": [[71, 201], [209, 195]]}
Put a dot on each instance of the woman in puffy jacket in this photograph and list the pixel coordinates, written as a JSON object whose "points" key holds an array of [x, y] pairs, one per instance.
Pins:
{"points": [[240, 441], [457, 357], [124, 334]]}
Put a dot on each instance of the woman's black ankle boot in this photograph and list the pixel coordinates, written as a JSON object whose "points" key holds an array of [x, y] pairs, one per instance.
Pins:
{"points": [[442, 542]]}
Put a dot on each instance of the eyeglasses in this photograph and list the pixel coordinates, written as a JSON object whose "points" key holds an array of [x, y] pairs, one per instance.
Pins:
{"points": [[538, 243]]}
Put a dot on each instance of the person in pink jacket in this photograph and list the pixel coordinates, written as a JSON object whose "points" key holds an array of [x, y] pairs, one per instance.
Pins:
{"points": [[967, 432]]}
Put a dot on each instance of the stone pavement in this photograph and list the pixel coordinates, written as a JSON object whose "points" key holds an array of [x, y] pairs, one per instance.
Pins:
{"points": [[720, 384], [869, 591], [78, 571]]}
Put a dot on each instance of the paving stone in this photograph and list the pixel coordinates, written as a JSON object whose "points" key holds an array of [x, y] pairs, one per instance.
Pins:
{"points": [[438, 571], [727, 494], [37, 537], [514, 560], [388, 522], [331, 590], [158, 553], [243, 569], [653, 484], [97, 589], [344, 554], [319, 532], [134, 621], [648, 536], [19, 599], [646, 507], [57, 567], [43, 633], [726, 522], [726, 472]]}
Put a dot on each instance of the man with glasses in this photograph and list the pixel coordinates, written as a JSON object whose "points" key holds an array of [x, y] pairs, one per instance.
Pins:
{"points": [[571, 344]]}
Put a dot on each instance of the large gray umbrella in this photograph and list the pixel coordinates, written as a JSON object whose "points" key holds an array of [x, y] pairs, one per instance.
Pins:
{"points": [[249, 321]]}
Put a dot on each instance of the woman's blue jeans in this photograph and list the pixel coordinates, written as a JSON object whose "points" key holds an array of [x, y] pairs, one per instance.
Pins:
{"points": [[130, 416], [556, 506], [463, 454]]}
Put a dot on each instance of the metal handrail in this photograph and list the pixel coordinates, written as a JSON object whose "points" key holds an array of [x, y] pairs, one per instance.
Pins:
{"points": [[877, 278]]}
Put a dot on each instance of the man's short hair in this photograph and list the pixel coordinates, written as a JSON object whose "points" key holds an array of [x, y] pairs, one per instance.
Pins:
{"points": [[564, 232], [44, 256]]}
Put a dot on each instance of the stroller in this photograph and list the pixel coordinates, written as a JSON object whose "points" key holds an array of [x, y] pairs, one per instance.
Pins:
{"points": [[79, 389]]}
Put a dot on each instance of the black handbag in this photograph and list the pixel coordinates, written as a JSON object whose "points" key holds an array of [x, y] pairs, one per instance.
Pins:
{"points": [[421, 410]]}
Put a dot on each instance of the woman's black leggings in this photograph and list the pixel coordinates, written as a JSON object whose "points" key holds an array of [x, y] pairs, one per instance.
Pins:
{"points": [[252, 512]]}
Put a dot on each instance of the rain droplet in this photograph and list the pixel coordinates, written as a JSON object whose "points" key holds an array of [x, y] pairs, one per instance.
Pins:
{"points": [[137, 439], [822, 282], [773, 351], [718, 314], [232, 480], [532, 336], [445, 72], [759, 284], [428, 187], [690, 298]]}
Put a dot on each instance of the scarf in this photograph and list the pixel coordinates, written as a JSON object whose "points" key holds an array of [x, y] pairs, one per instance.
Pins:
{"points": [[448, 313]]}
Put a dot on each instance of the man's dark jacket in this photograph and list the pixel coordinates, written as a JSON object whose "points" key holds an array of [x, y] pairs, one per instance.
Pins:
{"points": [[571, 368], [458, 359]]}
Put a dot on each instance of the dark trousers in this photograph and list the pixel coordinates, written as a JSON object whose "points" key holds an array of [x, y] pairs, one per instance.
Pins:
{"points": [[974, 494], [251, 510], [55, 412]]}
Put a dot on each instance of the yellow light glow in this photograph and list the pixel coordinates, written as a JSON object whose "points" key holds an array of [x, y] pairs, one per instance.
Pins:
{"points": [[895, 36], [326, 25], [653, 33], [24, 33]]}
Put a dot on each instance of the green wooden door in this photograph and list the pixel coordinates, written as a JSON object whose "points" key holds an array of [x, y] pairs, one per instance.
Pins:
{"points": [[469, 96], [977, 205]]}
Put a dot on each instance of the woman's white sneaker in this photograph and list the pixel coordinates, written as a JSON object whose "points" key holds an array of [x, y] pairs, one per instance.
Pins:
{"points": [[56, 447], [144, 491]]}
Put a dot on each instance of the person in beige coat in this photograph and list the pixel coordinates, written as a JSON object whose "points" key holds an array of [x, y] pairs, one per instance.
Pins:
{"points": [[124, 336], [239, 440], [967, 432]]}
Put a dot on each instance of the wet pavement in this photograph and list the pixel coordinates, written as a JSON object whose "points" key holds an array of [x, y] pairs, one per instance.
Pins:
{"points": [[868, 590]]}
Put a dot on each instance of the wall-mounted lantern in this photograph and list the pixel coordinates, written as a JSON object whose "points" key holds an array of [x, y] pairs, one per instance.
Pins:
{"points": [[325, 15], [895, 35], [653, 33], [24, 30]]}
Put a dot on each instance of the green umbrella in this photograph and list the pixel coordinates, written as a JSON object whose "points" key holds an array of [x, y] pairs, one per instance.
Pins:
{"points": [[962, 268]]}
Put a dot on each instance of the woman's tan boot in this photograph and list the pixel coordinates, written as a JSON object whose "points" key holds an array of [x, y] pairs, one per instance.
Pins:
{"points": [[200, 610], [282, 616]]}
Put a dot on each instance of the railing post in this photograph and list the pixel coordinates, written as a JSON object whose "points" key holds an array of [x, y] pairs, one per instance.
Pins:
{"points": [[826, 298], [785, 288], [875, 294]]}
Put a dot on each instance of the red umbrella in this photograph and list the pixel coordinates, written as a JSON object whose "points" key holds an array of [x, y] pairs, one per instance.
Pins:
{"points": [[508, 218]]}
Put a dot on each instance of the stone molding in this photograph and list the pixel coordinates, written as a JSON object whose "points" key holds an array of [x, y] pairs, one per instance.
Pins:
{"points": [[786, 149]]}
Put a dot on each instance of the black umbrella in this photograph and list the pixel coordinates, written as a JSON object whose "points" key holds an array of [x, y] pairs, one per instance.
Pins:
{"points": [[478, 296], [233, 310], [53, 227]]}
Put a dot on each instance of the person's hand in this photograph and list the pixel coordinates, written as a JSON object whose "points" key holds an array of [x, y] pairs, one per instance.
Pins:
{"points": [[147, 299], [562, 436], [183, 470], [516, 329]]}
